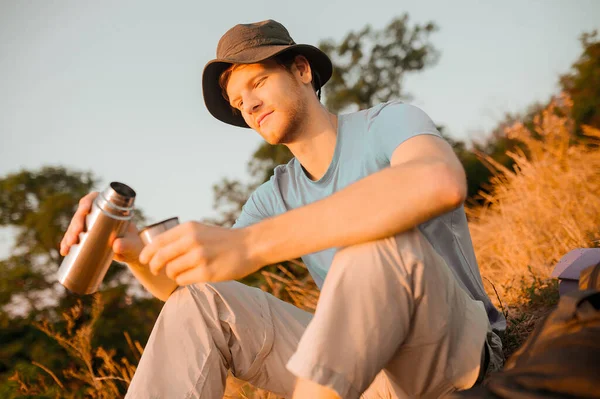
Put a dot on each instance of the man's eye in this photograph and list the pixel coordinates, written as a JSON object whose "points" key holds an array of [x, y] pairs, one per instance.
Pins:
{"points": [[260, 82], [240, 104]]}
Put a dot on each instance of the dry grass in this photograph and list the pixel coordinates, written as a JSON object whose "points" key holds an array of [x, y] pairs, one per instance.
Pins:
{"points": [[240, 389], [534, 214], [302, 293], [94, 371], [548, 205]]}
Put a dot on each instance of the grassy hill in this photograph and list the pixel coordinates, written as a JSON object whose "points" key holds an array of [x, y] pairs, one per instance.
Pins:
{"points": [[547, 205]]}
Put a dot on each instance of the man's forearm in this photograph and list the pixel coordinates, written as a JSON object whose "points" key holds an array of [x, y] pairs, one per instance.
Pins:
{"points": [[385, 203], [160, 286]]}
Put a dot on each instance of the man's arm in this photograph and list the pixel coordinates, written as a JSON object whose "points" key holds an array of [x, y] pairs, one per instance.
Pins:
{"points": [[127, 250], [160, 286], [425, 180]]}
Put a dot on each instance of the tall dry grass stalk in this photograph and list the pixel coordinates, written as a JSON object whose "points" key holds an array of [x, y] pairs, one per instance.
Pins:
{"points": [[95, 370], [546, 206], [302, 293]]}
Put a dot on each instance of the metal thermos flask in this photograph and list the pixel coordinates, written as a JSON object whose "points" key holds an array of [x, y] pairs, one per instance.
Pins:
{"points": [[87, 262]]}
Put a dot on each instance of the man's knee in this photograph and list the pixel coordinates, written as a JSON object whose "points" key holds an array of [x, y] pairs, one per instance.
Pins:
{"points": [[205, 300], [403, 267], [401, 252], [223, 290]]}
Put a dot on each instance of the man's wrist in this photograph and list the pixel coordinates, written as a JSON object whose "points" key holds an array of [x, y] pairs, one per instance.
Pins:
{"points": [[257, 244], [136, 265]]}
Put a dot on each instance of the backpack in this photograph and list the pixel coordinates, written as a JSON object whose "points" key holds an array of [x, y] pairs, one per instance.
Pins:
{"points": [[589, 279], [561, 357]]}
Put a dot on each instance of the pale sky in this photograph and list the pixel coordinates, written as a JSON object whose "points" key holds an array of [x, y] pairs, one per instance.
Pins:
{"points": [[113, 87]]}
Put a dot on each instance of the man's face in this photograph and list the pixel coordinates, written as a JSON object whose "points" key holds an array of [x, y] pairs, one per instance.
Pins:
{"points": [[270, 98]]}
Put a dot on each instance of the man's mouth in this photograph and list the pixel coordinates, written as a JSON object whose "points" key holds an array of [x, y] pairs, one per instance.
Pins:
{"points": [[261, 118]]}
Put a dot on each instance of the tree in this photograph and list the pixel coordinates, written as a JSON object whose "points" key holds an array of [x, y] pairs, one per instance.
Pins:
{"points": [[369, 65], [582, 83], [39, 205], [494, 146]]}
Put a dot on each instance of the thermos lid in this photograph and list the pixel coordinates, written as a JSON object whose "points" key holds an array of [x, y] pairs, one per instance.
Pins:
{"points": [[119, 194]]}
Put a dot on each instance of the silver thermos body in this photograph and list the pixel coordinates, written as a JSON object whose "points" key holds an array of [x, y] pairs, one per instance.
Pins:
{"points": [[87, 262]]}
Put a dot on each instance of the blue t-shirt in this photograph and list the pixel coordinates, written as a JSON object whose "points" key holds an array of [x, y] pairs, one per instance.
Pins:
{"points": [[365, 143]]}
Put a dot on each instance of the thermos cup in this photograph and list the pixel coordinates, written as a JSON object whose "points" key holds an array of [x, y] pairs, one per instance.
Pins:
{"points": [[151, 231], [87, 262]]}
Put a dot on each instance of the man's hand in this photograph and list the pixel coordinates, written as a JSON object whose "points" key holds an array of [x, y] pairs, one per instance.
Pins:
{"points": [[126, 249], [77, 225], [194, 252]]}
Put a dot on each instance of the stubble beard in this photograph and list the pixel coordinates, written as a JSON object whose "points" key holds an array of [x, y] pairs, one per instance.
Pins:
{"points": [[295, 121]]}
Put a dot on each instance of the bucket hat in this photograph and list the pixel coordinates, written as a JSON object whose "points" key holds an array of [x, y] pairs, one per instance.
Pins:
{"points": [[249, 44]]}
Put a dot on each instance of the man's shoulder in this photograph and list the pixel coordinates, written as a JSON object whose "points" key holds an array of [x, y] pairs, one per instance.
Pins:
{"points": [[398, 115], [370, 112], [395, 109]]}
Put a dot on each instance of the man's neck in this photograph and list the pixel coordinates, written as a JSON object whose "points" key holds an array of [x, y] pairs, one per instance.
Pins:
{"points": [[315, 145]]}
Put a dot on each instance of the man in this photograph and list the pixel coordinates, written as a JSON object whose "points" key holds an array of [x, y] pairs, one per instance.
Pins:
{"points": [[372, 202]]}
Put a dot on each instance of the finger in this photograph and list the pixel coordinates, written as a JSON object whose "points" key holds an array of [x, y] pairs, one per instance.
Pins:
{"points": [[175, 233], [162, 255], [150, 249], [164, 239], [189, 260], [132, 228], [72, 235], [128, 248], [194, 275], [77, 224]]}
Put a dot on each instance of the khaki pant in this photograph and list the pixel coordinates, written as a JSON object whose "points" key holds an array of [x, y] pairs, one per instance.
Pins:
{"points": [[391, 322]]}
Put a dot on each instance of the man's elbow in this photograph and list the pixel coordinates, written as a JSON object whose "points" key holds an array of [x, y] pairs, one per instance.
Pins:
{"points": [[453, 185], [457, 195], [164, 295]]}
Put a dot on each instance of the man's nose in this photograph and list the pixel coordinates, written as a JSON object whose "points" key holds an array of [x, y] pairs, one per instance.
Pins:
{"points": [[251, 105]]}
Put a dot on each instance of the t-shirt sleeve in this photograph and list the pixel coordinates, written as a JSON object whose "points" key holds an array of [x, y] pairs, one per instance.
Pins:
{"points": [[393, 124], [257, 207]]}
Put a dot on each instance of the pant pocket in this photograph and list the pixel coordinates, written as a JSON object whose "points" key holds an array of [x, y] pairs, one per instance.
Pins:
{"points": [[268, 340]]}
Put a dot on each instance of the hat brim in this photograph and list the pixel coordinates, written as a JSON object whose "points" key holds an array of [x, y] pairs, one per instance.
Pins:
{"points": [[211, 90]]}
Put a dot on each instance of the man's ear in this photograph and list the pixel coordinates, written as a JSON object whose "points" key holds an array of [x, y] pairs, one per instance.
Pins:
{"points": [[302, 69]]}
